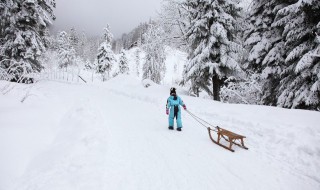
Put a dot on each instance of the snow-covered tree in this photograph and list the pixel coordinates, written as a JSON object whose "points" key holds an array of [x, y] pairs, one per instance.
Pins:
{"points": [[88, 65], [91, 48], [66, 52], [123, 63], [105, 58], [137, 60], [173, 19], [266, 46], [242, 91], [74, 38], [82, 48], [212, 40], [154, 66], [23, 25], [282, 42], [300, 80]]}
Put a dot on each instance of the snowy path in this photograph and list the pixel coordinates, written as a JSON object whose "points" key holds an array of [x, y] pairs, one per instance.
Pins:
{"points": [[115, 136]]}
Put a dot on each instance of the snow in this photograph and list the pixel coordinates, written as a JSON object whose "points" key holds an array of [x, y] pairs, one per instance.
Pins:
{"points": [[114, 135]]}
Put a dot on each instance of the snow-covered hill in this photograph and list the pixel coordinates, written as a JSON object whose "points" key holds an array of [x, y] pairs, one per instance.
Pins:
{"points": [[114, 135]]}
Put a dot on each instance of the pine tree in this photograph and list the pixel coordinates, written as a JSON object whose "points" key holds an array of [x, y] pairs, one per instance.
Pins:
{"points": [[74, 38], [213, 44], [66, 52], [23, 27], [266, 47], [123, 63], [154, 66], [300, 80], [282, 42], [105, 57]]}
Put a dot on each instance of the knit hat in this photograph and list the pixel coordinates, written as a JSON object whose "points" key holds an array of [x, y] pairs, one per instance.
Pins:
{"points": [[172, 91]]}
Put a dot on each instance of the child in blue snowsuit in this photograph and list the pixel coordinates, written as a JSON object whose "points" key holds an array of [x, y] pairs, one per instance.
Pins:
{"points": [[173, 103]]}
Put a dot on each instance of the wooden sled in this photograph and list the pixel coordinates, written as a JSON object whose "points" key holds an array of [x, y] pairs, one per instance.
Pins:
{"points": [[228, 136]]}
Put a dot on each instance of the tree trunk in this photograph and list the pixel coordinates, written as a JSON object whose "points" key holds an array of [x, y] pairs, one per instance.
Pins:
{"points": [[216, 85]]}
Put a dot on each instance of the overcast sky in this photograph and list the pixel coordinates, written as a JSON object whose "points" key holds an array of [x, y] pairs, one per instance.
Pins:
{"points": [[92, 16]]}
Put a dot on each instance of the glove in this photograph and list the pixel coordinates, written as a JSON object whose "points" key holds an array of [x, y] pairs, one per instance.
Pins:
{"points": [[167, 111], [184, 107]]}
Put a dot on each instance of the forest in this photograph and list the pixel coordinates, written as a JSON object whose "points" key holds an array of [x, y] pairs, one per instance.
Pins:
{"points": [[267, 53]]}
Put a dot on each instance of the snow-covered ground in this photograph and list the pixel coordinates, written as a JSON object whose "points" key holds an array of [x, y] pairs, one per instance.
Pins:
{"points": [[114, 135]]}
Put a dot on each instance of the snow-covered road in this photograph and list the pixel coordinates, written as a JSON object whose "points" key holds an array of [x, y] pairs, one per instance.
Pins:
{"points": [[115, 136]]}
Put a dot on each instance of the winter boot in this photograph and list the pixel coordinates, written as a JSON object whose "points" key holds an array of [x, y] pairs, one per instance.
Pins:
{"points": [[179, 129], [170, 127]]}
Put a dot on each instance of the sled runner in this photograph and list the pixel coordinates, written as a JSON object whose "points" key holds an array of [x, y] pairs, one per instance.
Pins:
{"points": [[228, 136]]}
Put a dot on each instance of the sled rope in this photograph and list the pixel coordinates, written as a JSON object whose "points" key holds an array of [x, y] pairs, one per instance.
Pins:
{"points": [[201, 121], [214, 128]]}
